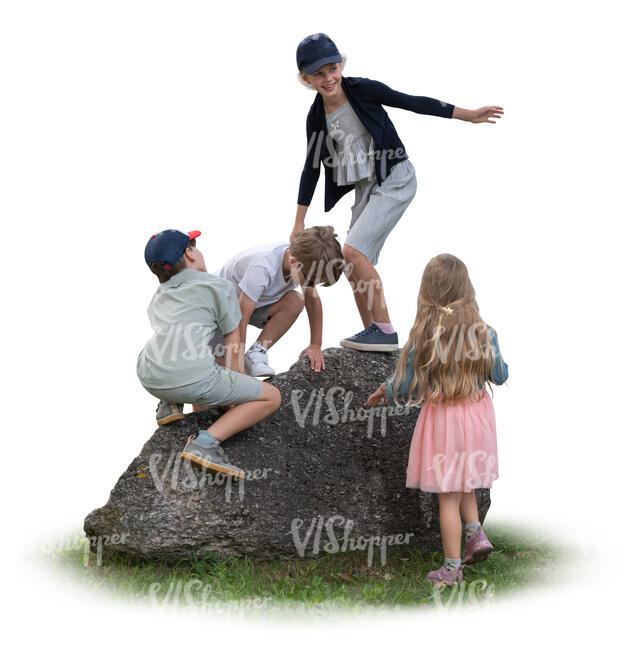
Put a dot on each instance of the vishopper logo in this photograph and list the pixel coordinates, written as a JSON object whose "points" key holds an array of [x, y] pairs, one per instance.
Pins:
{"points": [[460, 334], [318, 139], [370, 287], [320, 272], [307, 410], [312, 538], [187, 342], [196, 593], [347, 154], [474, 593], [178, 473], [98, 542], [477, 466], [86, 544]]}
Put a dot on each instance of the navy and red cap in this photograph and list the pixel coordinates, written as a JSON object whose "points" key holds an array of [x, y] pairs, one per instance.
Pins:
{"points": [[315, 51], [168, 246]]}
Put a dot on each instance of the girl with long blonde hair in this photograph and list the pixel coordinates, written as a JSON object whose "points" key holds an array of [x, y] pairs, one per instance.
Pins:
{"points": [[446, 366]]}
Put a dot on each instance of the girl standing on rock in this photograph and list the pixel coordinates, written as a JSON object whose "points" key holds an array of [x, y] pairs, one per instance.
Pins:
{"points": [[351, 133], [449, 358]]}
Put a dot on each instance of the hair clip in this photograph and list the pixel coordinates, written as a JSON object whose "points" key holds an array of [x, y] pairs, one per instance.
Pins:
{"points": [[447, 310]]}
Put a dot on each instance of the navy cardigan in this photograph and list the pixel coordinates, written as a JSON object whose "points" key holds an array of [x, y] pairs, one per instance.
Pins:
{"points": [[366, 97]]}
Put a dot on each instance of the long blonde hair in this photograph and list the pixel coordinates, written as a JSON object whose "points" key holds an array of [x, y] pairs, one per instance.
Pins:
{"points": [[453, 355]]}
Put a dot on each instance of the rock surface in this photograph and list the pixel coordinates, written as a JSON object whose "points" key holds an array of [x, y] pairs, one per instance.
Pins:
{"points": [[324, 473]]}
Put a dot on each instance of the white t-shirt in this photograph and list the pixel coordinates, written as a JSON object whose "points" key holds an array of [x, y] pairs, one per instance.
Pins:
{"points": [[258, 272]]}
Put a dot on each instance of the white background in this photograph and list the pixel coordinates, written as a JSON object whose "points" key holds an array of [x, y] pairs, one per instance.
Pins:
{"points": [[119, 119]]}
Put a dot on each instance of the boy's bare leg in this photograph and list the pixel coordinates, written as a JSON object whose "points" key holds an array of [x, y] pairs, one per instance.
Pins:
{"points": [[366, 286], [244, 415], [283, 314]]}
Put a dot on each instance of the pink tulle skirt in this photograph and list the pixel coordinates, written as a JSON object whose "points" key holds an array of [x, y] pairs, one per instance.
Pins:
{"points": [[454, 447]]}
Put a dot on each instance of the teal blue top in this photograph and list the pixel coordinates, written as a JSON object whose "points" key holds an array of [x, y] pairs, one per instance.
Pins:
{"points": [[499, 372]]}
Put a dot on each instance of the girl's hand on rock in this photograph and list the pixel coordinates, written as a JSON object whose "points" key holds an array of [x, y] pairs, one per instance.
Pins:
{"points": [[375, 398]]}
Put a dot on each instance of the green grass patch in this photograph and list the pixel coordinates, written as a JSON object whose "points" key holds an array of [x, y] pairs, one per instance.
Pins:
{"points": [[341, 581]]}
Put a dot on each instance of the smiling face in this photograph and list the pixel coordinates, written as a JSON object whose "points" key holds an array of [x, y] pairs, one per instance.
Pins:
{"points": [[326, 80]]}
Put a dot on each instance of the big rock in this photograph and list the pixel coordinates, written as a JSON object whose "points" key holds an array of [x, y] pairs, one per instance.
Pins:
{"points": [[324, 473]]}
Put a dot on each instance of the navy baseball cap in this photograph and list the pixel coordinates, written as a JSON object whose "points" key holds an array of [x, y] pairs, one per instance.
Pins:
{"points": [[315, 51], [168, 246]]}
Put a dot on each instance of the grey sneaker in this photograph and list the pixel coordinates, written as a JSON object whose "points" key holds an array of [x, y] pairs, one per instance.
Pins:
{"points": [[167, 412], [212, 457]]}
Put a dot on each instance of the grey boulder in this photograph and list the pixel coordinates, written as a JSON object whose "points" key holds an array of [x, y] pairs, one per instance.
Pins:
{"points": [[324, 474]]}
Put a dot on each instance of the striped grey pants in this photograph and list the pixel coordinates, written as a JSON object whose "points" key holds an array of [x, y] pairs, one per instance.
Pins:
{"points": [[378, 208]]}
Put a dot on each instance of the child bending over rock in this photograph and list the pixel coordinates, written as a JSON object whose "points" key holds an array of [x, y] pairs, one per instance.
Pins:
{"points": [[267, 279]]}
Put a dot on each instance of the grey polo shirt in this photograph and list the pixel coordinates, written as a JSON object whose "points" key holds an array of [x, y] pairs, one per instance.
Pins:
{"points": [[184, 313]]}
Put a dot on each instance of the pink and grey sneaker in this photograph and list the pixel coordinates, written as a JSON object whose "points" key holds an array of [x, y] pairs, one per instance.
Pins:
{"points": [[447, 577], [477, 548]]}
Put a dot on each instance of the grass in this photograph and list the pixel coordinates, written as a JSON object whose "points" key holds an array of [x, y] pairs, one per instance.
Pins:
{"points": [[336, 582]]}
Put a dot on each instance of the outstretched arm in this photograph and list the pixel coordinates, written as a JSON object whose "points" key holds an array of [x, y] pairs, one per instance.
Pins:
{"points": [[383, 94], [385, 391], [375, 398], [403, 388], [479, 115]]}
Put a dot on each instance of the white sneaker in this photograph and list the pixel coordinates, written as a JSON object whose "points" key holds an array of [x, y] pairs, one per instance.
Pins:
{"points": [[255, 362]]}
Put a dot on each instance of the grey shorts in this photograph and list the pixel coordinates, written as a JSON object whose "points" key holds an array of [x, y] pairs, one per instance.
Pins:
{"points": [[378, 208], [221, 387], [259, 318]]}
